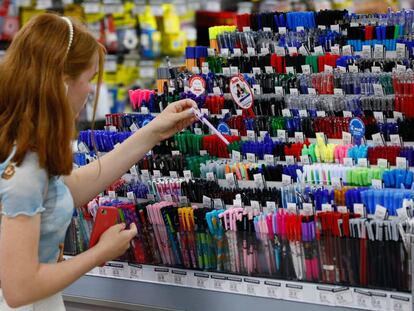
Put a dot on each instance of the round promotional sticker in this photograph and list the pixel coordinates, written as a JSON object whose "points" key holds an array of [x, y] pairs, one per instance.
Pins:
{"points": [[241, 92], [223, 128], [357, 128], [197, 85]]}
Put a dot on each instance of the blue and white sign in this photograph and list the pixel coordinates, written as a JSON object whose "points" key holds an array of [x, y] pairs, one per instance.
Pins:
{"points": [[223, 128], [357, 128]]}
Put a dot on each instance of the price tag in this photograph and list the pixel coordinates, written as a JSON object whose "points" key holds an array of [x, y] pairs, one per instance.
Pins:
{"points": [[216, 90], [347, 50], [112, 195], [401, 68], [150, 197], [344, 297], [133, 170], [195, 70], [237, 202], [218, 204], [256, 71], [326, 295], [306, 69], [342, 209], [237, 52], [328, 69], [353, 69], [269, 159], [321, 114], [251, 135], [321, 27], [173, 174], [251, 157], [234, 132], [263, 134], [236, 156], [162, 275], [205, 111], [299, 137], [300, 28], [133, 128], [235, 284], [378, 91], [168, 197], [376, 183], [234, 70], [279, 91], [219, 282], [290, 70], [269, 69], [246, 28], [363, 162], [294, 292], [338, 91], [378, 139], [360, 209], [346, 138], [380, 212], [135, 271], [379, 301], [308, 209], [282, 30], [179, 277], [210, 176], [376, 69], [395, 140], [341, 69], [382, 163], [336, 50], [264, 51], [281, 134], [398, 115], [116, 269], [303, 113], [270, 205], [286, 113], [363, 298], [231, 180], [304, 159], [202, 280], [251, 51], [156, 174], [347, 114], [205, 71], [294, 91], [239, 112], [401, 50], [319, 50], [379, 51], [336, 182], [252, 286], [348, 162], [286, 179], [259, 181], [401, 163], [400, 303], [255, 205], [366, 51], [224, 52], [203, 152], [226, 71], [311, 91], [327, 207], [273, 289], [290, 160], [206, 201], [145, 176], [335, 28], [183, 200], [131, 196], [402, 213], [280, 51]]}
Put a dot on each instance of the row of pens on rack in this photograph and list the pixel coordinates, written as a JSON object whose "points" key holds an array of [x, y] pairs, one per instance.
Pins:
{"points": [[328, 247]]}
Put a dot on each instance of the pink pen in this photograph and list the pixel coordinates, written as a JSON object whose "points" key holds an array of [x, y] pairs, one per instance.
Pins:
{"points": [[203, 119]]}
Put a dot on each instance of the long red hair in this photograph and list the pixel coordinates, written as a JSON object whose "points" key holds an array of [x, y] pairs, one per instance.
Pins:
{"points": [[34, 110]]}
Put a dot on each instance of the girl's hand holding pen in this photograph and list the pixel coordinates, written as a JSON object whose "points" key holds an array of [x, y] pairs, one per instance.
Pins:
{"points": [[174, 118]]}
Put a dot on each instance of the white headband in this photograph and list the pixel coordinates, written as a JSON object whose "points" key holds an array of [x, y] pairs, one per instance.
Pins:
{"points": [[69, 22]]}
